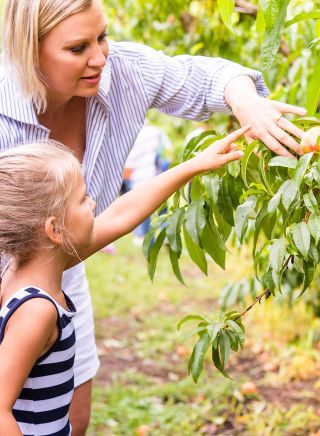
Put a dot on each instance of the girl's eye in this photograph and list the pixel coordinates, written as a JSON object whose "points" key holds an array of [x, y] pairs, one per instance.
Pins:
{"points": [[78, 49]]}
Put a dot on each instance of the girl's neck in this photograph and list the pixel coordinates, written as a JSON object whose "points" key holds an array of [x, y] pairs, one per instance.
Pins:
{"points": [[41, 271]]}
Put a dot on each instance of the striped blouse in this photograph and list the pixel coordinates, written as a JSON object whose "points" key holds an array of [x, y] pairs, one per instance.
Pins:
{"points": [[43, 404], [135, 79]]}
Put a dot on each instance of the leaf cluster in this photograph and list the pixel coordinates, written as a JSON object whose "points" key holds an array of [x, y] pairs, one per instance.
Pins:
{"points": [[269, 201], [220, 336]]}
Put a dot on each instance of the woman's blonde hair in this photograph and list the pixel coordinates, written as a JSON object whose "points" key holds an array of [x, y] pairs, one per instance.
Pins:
{"points": [[36, 180], [25, 23]]}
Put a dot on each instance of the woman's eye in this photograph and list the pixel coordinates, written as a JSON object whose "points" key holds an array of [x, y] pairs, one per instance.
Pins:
{"points": [[103, 36], [78, 49]]}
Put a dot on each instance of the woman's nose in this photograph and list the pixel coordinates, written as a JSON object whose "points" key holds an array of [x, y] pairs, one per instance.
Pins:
{"points": [[92, 203], [98, 57]]}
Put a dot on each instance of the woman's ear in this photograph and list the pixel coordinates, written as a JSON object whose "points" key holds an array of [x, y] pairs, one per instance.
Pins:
{"points": [[53, 231]]}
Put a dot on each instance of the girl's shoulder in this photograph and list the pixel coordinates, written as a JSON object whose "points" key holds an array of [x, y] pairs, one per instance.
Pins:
{"points": [[28, 308]]}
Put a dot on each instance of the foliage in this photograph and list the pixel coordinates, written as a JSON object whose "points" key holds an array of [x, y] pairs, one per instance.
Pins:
{"points": [[270, 199], [276, 198]]}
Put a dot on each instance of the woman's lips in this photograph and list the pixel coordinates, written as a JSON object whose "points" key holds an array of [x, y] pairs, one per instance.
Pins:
{"points": [[92, 79]]}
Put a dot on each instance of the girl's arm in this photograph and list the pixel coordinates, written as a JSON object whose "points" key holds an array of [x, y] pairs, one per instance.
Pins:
{"points": [[124, 214], [27, 334]]}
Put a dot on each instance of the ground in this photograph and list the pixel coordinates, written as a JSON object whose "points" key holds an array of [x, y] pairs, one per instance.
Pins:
{"points": [[143, 387]]}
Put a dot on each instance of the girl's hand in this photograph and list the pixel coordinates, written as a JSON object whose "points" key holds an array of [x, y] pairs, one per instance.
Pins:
{"points": [[220, 152]]}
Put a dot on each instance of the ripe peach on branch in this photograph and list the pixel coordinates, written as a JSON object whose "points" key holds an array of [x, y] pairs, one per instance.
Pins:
{"points": [[311, 140]]}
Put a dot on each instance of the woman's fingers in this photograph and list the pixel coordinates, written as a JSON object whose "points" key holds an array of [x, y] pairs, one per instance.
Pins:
{"points": [[284, 138], [289, 127], [289, 108]]}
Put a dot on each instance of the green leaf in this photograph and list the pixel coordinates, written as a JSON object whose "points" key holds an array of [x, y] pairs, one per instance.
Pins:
{"points": [[242, 215], [224, 345], [302, 167], [301, 238], [191, 318], [173, 229], [237, 330], [213, 244], [309, 269], [282, 161], [216, 358], [194, 143], [262, 214], [148, 239], [223, 227], [275, 200], [234, 168], [289, 193], [314, 227], [275, 16], [196, 253], [245, 160], [197, 356], [260, 24], [263, 173], [277, 253], [213, 329], [313, 90], [234, 343], [175, 265], [224, 202], [195, 220], [311, 202], [198, 330], [303, 16], [211, 184], [154, 252], [226, 8]]}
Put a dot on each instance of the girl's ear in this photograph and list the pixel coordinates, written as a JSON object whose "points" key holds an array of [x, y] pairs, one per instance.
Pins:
{"points": [[53, 231]]}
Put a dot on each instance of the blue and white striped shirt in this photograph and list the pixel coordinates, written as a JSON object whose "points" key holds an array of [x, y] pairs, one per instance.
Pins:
{"points": [[43, 404], [135, 79]]}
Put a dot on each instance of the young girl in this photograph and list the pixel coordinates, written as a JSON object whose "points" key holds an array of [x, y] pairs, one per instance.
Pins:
{"points": [[47, 226]]}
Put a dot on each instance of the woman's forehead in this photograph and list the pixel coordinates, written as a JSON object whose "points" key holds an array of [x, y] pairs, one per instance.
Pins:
{"points": [[78, 26]]}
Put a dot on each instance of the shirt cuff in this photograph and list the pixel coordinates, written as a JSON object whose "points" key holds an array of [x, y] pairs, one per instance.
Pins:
{"points": [[228, 73]]}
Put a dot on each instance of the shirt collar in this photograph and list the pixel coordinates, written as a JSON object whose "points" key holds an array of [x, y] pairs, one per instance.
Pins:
{"points": [[104, 88]]}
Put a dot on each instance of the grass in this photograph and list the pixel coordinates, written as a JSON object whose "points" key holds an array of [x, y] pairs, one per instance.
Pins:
{"points": [[143, 387]]}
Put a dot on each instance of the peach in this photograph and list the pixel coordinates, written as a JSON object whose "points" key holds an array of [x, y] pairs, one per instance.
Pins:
{"points": [[311, 140]]}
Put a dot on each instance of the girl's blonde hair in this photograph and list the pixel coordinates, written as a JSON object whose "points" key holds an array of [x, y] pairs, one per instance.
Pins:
{"points": [[36, 180], [25, 24]]}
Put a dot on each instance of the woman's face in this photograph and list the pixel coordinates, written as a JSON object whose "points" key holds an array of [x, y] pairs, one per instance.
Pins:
{"points": [[73, 54]]}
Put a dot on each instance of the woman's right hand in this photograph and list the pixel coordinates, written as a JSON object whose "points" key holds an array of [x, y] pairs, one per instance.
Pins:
{"points": [[219, 153]]}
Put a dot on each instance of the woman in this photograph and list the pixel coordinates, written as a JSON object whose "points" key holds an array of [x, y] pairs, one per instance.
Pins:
{"points": [[64, 81]]}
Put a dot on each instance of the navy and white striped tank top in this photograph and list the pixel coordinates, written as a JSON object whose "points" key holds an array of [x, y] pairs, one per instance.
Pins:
{"points": [[43, 404]]}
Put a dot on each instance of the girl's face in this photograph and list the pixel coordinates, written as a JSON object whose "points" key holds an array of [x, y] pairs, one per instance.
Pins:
{"points": [[79, 217], [73, 54]]}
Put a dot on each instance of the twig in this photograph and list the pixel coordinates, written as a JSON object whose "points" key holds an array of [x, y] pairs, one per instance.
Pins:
{"points": [[257, 300], [265, 292]]}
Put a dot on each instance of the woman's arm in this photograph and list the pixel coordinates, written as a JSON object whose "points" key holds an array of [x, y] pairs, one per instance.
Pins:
{"points": [[194, 87], [27, 334], [124, 214]]}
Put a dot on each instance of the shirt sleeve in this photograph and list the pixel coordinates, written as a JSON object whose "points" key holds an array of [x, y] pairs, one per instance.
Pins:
{"points": [[190, 86]]}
